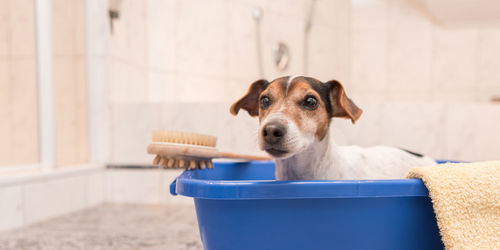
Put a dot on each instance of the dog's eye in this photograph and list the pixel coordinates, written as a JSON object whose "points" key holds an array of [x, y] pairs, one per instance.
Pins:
{"points": [[310, 102], [265, 102]]}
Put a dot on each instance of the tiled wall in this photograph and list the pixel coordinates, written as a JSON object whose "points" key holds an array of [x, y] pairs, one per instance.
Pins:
{"points": [[444, 131], [70, 81], [380, 49], [400, 53], [167, 51], [18, 83], [18, 96], [203, 55], [133, 123]]}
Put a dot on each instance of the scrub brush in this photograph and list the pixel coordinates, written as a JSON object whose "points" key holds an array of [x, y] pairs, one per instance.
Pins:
{"points": [[189, 150]]}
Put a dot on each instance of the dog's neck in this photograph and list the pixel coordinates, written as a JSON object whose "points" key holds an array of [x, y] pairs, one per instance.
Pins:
{"points": [[313, 163]]}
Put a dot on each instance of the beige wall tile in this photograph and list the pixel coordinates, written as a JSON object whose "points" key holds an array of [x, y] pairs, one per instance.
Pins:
{"points": [[137, 38], [407, 96], [370, 15], [79, 29], [161, 23], [81, 110], [66, 111], [472, 137], [489, 60], [366, 131], [369, 59], [63, 22], [119, 39], [24, 112], [163, 86], [69, 81], [409, 49], [5, 114], [409, 57], [455, 59], [407, 15], [213, 89], [415, 127], [133, 122], [458, 96], [341, 62], [235, 89], [201, 37], [329, 56], [242, 52], [336, 13], [11, 207], [71, 110], [294, 8], [128, 41], [128, 81], [22, 28], [4, 28]]}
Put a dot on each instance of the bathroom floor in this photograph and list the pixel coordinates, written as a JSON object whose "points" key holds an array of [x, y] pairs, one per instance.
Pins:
{"points": [[112, 226]]}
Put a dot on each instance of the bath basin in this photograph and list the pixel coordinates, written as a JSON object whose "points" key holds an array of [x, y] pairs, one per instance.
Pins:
{"points": [[240, 206]]}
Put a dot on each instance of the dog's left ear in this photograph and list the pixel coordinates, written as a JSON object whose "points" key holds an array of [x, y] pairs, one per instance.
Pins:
{"points": [[250, 101], [342, 106]]}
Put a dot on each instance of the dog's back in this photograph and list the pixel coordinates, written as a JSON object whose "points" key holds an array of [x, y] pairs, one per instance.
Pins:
{"points": [[379, 162]]}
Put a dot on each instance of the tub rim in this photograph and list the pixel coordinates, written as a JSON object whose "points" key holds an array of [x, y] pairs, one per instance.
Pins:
{"points": [[187, 185]]}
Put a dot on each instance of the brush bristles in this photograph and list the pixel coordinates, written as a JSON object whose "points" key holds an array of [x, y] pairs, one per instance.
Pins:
{"points": [[167, 162], [184, 138]]}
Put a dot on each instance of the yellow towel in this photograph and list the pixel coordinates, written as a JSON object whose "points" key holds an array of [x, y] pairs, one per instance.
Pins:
{"points": [[466, 200]]}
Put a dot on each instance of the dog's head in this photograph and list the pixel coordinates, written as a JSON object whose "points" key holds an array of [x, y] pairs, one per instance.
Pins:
{"points": [[295, 112]]}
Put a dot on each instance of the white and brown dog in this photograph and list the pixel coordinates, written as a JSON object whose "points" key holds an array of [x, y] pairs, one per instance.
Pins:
{"points": [[295, 115]]}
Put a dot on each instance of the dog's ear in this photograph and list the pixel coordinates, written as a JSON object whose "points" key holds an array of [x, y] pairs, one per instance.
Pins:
{"points": [[342, 106], [250, 101]]}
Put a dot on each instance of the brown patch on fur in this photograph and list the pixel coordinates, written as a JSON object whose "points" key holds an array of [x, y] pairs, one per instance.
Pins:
{"points": [[250, 101], [276, 93], [308, 121], [343, 106]]}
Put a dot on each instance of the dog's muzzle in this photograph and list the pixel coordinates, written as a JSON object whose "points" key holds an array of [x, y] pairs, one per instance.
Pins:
{"points": [[273, 134]]}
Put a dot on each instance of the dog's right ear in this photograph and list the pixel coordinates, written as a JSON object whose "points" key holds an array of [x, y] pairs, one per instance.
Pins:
{"points": [[250, 101]]}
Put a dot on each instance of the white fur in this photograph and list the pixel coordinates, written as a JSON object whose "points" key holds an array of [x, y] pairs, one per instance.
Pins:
{"points": [[290, 79], [293, 140], [311, 159]]}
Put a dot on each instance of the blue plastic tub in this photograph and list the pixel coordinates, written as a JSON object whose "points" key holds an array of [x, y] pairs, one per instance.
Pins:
{"points": [[240, 206]]}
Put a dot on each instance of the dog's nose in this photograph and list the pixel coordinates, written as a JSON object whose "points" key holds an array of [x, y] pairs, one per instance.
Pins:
{"points": [[273, 132]]}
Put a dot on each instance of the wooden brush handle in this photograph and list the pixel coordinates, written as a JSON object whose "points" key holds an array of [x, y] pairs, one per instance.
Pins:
{"points": [[243, 156], [169, 150]]}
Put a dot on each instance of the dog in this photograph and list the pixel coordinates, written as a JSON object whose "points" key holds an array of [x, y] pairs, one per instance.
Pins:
{"points": [[295, 113]]}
